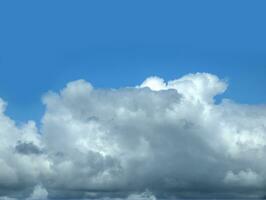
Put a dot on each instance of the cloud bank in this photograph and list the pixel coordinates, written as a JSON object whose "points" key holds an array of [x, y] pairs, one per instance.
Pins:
{"points": [[169, 139]]}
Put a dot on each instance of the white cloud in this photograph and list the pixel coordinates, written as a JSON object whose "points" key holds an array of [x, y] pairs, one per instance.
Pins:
{"points": [[147, 195], [199, 87], [39, 193], [169, 137], [154, 83], [246, 178]]}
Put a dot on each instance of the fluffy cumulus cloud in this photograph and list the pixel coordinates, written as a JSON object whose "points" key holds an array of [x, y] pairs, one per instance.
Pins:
{"points": [[156, 140]]}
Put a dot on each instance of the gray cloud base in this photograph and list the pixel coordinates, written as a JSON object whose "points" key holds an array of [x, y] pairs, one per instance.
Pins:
{"points": [[170, 138]]}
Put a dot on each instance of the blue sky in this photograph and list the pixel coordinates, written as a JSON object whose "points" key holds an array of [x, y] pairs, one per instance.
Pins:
{"points": [[45, 44]]}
